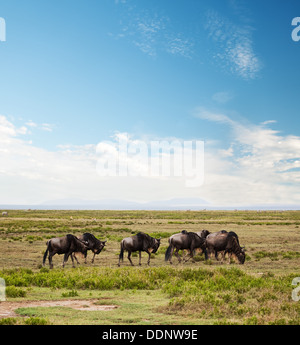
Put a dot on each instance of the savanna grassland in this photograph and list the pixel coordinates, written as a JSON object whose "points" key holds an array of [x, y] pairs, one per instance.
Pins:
{"points": [[204, 292]]}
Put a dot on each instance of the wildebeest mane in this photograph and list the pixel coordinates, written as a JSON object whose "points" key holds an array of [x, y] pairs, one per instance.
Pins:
{"points": [[147, 241]]}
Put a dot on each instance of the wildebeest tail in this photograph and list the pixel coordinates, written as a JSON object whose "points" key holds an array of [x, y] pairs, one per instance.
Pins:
{"points": [[46, 252], [121, 252], [168, 253]]}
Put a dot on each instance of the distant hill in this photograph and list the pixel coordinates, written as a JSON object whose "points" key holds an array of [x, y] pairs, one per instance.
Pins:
{"points": [[117, 204]]}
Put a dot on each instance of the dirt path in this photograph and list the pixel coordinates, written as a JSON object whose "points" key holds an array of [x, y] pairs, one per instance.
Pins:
{"points": [[7, 308]]}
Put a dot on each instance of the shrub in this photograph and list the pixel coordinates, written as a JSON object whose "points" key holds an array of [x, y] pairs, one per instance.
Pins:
{"points": [[12, 291], [36, 321], [72, 293], [8, 321]]}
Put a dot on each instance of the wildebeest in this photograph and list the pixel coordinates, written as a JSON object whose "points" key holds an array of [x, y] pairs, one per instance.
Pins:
{"points": [[141, 242], [66, 245], [185, 240], [94, 245], [226, 242]]}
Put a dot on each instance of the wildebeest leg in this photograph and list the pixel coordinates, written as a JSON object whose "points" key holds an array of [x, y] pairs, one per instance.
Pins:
{"points": [[75, 258], [184, 257], [66, 257], [229, 257], [177, 255], [223, 255], [216, 255], [191, 253], [93, 258], [149, 255], [140, 258], [50, 260], [72, 260], [129, 258], [209, 253], [171, 254]]}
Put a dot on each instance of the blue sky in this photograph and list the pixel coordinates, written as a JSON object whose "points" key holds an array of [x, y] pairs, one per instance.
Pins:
{"points": [[75, 73]]}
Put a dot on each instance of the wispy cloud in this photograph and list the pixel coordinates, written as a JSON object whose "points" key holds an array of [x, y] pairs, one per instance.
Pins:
{"points": [[222, 97], [44, 126], [206, 114], [152, 32], [233, 45], [47, 127], [30, 123], [267, 122], [148, 32], [179, 46]]}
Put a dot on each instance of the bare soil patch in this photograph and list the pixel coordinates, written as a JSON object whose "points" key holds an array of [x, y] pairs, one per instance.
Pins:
{"points": [[7, 308]]}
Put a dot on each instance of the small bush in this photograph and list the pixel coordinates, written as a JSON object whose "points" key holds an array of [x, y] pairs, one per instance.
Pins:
{"points": [[13, 292], [72, 293], [36, 321], [8, 321]]}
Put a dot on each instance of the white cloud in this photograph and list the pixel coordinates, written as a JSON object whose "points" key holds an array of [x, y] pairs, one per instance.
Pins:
{"points": [[32, 175], [261, 166], [233, 46], [44, 126], [31, 124], [6, 128], [267, 122]]}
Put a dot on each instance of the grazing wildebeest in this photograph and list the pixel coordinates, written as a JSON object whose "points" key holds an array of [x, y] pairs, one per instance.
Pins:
{"points": [[140, 242], [185, 240], [64, 245], [94, 245], [226, 242]]}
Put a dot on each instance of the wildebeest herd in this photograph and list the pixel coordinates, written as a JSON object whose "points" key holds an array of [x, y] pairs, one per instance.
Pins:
{"points": [[209, 243]]}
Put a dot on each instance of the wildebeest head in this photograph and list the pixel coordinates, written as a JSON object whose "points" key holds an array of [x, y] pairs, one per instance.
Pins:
{"points": [[242, 256], [203, 233], [100, 246], [155, 245]]}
